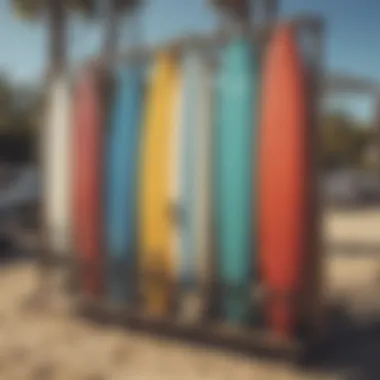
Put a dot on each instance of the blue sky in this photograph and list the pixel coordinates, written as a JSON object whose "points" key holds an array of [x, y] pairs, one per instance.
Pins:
{"points": [[352, 39]]}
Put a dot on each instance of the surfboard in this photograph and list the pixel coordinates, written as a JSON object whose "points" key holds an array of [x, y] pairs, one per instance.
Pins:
{"points": [[195, 126], [57, 151], [203, 204], [88, 177], [121, 187], [157, 211], [283, 179], [235, 183]]}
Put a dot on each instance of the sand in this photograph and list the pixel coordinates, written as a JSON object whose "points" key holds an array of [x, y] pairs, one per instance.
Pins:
{"points": [[51, 344]]}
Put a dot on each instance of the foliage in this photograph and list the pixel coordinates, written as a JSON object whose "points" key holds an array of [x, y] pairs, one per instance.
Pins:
{"points": [[344, 141], [19, 107], [57, 12], [33, 9], [20, 110]]}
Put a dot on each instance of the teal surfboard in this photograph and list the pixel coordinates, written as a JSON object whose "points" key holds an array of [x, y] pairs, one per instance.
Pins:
{"points": [[195, 127], [121, 185], [235, 179]]}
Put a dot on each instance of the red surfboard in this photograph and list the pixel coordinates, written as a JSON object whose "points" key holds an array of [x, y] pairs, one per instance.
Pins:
{"points": [[283, 179], [88, 179]]}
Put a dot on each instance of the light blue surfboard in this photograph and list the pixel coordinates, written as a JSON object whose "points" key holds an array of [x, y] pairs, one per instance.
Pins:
{"points": [[195, 126], [236, 132], [121, 185]]}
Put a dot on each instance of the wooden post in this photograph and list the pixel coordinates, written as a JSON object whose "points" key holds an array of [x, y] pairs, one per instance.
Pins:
{"points": [[313, 292]]}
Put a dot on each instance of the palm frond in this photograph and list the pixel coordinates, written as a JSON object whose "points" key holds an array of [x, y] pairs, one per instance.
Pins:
{"points": [[28, 9]]}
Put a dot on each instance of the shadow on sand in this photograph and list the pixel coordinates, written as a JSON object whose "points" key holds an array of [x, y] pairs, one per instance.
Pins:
{"points": [[351, 348], [352, 249], [10, 255]]}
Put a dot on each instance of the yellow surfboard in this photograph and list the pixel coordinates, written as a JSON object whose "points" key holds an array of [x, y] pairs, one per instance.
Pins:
{"points": [[157, 229]]}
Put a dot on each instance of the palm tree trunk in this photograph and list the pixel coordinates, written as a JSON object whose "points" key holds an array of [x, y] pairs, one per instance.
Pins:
{"points": [[111, 41], [237, 12], [271, 10], [57, 13]]}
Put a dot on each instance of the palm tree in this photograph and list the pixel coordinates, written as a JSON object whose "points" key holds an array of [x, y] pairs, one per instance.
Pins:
{"points": [[6, 102], [116, 10], [56, 12], [242, 9], [239, 8]]}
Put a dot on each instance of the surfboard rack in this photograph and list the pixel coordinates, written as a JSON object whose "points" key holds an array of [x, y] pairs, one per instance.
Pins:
{"points": [[211, 333], [253, 340], [207, 330]]}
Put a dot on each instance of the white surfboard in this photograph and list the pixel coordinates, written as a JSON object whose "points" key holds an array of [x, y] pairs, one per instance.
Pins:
{"points": [[56, 156]]}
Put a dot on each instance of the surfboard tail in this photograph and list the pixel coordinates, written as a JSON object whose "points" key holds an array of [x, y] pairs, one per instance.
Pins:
{"points": [[236, 304], [191, 307], [281, 318], [91, 279], [121, 280], [158, 300]]}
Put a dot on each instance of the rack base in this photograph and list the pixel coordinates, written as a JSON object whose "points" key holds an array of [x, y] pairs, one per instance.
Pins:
{"points": [[249, 341]]}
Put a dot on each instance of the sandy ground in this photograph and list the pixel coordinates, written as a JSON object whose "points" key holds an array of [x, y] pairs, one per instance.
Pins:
{"points": [[38, 345]]}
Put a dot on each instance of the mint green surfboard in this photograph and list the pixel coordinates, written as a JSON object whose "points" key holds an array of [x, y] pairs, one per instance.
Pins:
{"points": [[236, 130]]}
